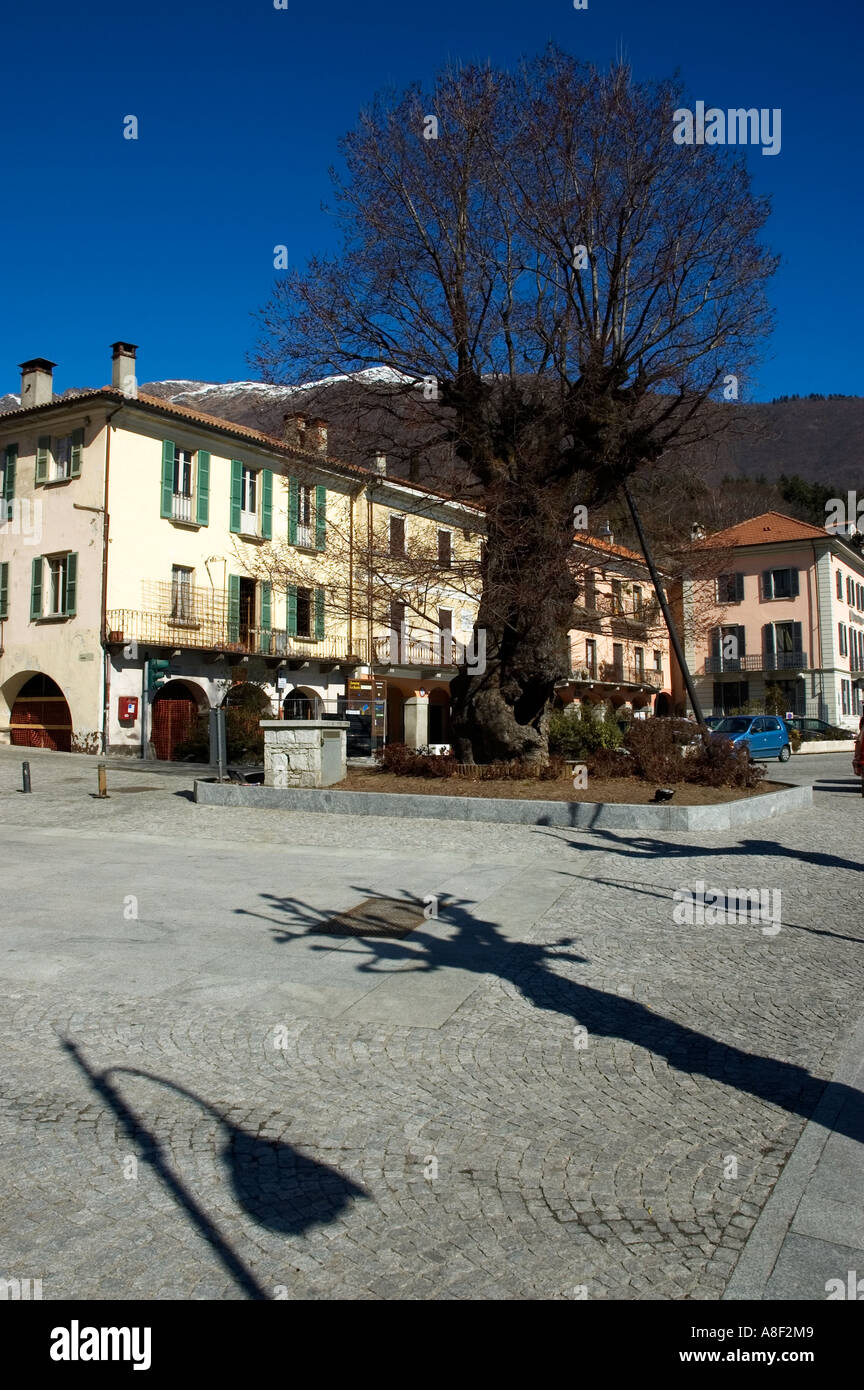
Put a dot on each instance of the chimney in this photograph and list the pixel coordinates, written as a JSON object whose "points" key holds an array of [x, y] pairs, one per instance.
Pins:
{"points": [[381, 464], [37, 382], [316, 436], [294, 430], [123, 368]]}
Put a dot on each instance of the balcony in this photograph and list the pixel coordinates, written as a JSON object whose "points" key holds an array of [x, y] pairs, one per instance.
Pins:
{"points": [[218, 634], [759, 661], [591, 607], [181, 507], [617, 673], [424, 651]]}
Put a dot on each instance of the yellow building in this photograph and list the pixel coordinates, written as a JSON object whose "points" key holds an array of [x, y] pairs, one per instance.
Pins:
{"points": [[145, 542]]}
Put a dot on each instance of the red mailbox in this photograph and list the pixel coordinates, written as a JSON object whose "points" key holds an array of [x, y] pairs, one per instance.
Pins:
{"points": [[127, 708]]}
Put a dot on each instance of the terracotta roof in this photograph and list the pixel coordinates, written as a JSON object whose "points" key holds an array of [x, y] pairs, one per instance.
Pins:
{"points": [[767, 529]]}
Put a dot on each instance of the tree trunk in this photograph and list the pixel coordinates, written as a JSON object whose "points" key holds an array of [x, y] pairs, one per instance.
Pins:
{"points": [[500, 708]]}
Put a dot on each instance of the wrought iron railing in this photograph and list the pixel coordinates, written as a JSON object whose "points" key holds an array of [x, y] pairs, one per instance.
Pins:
{"points": [[228, 635], [757, 661]]}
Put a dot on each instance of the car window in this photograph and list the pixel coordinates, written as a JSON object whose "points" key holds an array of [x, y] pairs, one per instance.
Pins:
{"points": [[733, 725]]}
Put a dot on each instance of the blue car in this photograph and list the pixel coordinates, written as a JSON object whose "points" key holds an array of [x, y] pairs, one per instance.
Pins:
{"points": [[763, 735]]}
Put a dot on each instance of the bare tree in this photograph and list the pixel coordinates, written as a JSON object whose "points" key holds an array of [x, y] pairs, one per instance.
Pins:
{"points": [[562, 288]]}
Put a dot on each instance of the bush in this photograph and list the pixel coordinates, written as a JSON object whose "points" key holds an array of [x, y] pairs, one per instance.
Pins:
{"points": [[403, 761], [243, 738], [657, 748], [720, 764], [574, 734], [610, 762]]}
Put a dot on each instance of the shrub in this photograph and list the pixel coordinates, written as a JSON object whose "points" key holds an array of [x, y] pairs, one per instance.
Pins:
{"points": [[795, 739], [721, 764], [610, 762], [243, 738], [575, 734], [657, 748], [403, 761]]}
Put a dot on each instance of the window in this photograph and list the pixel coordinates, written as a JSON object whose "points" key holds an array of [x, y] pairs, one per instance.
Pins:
{"points": [[658, 661], [850, 592], [397, 630], [730, 588], [617, 596], [304, 612], [53, 586], [859, 591], [445, 627], [10, 460], [57, 461], [248, 500], [780, 583], [181, 498], [591, 656], [618, 660], [4, 589], [841, 632], [639, 658], [305, 516], [845, 688], [637, 600], [182, 603], [445, 549], [397, 535], [839, 577]]}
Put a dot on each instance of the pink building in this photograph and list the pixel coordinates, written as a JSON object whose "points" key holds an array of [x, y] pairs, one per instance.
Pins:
{"points": [[619, 647], [788, 612]]}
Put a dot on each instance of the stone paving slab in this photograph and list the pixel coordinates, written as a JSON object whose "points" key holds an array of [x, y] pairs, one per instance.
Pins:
{"points": [[609, 1105]]}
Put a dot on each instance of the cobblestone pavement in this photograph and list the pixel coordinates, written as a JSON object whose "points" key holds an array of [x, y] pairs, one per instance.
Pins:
{"points": [[550, 1090]]}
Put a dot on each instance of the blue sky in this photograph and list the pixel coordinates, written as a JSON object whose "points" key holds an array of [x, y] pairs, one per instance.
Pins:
{"points": [[168, 241]]}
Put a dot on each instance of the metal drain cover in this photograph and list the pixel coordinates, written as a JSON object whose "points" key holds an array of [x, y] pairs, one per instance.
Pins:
{"points": [[394, 917]]}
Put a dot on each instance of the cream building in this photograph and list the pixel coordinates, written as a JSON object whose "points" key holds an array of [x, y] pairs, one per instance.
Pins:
{"points": [[146, 543]]}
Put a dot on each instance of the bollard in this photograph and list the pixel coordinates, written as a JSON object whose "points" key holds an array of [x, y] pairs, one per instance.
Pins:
{"points": [[25, 773], [103, 782]]}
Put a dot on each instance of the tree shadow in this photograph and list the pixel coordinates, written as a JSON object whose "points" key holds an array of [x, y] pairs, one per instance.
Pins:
{"points": [[277, 1186], [462, 941], [632, 846]]}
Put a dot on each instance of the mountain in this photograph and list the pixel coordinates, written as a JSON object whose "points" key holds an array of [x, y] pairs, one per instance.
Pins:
{"points": [[379, 411]]}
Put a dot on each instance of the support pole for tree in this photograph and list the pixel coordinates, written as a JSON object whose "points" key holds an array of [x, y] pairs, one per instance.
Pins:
{"points": [[667, 616]]}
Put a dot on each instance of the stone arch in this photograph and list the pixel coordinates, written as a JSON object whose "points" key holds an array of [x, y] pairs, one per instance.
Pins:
{"points": [[302, 703], [38, 712], [174, 714]]}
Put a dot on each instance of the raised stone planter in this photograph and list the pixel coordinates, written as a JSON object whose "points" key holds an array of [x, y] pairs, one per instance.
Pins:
{"points": [[828, 745], [580, 814], [303, 752]]}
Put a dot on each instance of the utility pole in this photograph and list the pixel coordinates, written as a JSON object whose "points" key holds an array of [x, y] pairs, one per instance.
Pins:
{"points": [[667, 616]]}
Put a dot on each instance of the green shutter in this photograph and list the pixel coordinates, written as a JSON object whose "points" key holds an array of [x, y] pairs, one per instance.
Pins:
{"points": [[266, 615], [43, 449], [236, 495], [319, 613], [794, 584], [4, 589], [71, 585], [75, 454], [320, 517], [202, 491], [293, 509], [767, 589], [36, 589], [291, 609], [266, 503], [167, 477], [233, 608], [10, 461]]}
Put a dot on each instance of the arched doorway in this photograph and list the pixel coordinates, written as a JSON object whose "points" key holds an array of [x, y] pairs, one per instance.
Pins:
{"points": [[174, 716], [41, 717], [663, 705], [297, 704]]}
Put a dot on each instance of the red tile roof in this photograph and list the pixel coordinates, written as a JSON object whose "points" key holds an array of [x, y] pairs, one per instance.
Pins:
{"points": [[767, 529]]}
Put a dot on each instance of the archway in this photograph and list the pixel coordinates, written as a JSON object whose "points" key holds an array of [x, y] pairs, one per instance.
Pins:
{"points": [[174, 716], [663, 705], [301, 704], [41, 717]]}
